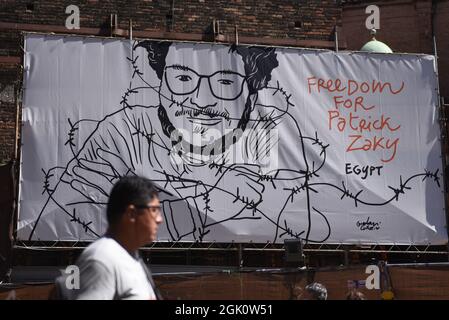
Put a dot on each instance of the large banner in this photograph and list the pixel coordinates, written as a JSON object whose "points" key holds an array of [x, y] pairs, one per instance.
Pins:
{"points": [[244, 143]]}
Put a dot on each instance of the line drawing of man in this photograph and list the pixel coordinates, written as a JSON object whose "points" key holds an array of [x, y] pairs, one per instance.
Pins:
{"points": [[207, 142], [212, 102]]}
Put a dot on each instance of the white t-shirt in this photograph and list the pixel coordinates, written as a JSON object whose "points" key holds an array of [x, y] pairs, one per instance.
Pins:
{"points": [[108, 271]]}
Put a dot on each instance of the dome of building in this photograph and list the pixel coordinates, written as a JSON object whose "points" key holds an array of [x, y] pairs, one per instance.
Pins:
{"points": [[375, 45]]}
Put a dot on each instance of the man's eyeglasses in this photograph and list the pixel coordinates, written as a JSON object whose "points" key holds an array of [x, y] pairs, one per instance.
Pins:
{"points": [[224, 84], [156, 209]]}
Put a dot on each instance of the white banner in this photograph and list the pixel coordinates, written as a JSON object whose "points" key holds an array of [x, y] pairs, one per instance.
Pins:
{"points": [[245, 143]]}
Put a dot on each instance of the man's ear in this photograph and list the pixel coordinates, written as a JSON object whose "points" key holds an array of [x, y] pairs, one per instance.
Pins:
{"points": [[130, 213]]}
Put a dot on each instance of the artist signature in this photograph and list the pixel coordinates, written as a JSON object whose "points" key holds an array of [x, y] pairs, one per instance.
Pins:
{"points": [[368, 225]]}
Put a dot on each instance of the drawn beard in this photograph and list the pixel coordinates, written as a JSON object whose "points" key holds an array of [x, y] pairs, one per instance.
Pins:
{"points": [[210, 151]]}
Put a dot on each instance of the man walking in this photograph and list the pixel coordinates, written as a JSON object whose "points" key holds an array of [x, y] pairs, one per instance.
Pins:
{"points": [[110, 268]]}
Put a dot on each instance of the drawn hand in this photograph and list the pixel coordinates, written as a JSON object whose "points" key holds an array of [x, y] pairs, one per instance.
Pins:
{"points": [[94, 178], [248, 188]]}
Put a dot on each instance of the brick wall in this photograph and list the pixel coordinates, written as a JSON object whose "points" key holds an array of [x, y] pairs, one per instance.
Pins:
{"points": [[406, 26], [442, 34], [9, 74], [275, 18]]}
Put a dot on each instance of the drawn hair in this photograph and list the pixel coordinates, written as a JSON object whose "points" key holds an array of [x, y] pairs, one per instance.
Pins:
{"points": [[157, 52], [259, 61]]}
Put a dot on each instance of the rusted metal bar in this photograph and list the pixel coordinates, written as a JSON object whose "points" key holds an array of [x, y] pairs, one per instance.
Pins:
{"points": [[171, 35]]}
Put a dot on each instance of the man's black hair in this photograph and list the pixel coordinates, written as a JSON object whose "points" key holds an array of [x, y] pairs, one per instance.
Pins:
{"points": [[259, 61], [129, 190]]}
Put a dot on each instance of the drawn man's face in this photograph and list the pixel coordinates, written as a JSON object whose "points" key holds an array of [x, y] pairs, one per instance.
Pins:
{"points": [[204, 93]]}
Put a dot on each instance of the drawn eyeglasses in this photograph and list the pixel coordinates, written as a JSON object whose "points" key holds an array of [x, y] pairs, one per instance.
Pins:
{"points": [[224, 84]]}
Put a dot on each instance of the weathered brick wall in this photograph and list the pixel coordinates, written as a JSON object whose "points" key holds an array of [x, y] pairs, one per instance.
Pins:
{"points": [[406, 26], [293, 19], [275, 18], [442, 34], [9, 74]]}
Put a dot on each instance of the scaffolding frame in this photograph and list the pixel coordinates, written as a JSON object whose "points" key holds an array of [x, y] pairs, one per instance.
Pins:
{"points": [[344, 248], [234, 246]]}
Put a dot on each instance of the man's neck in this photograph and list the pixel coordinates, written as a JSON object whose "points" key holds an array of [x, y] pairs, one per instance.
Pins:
{"points": [[123, 240]]}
